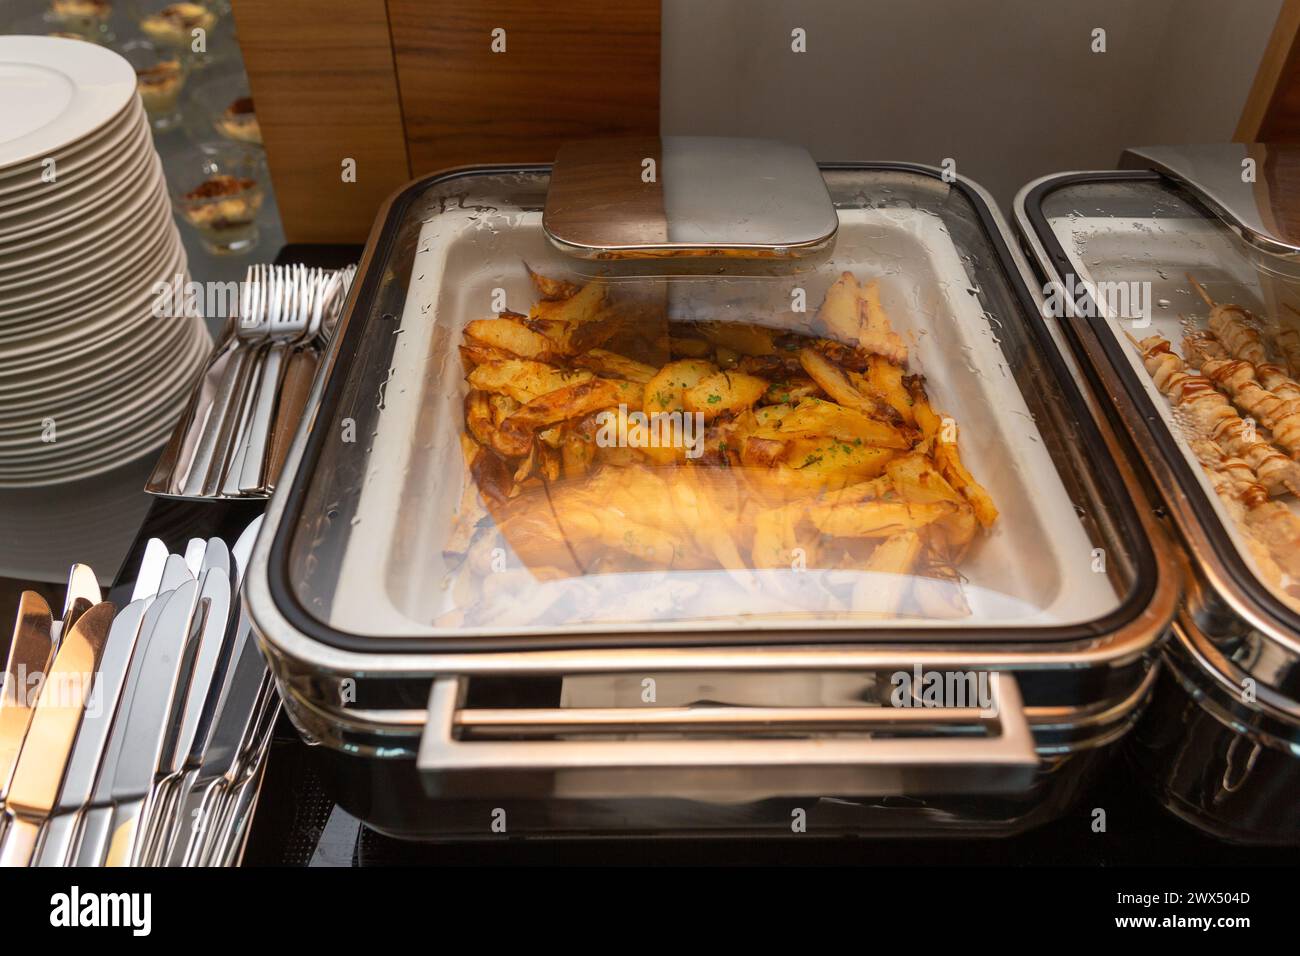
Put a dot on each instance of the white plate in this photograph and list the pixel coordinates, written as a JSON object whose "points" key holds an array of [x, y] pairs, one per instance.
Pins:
{"points": [[108, 411], [59, 238], [97, 231], [56, 92], [121, 358], [98, 275], [40, 375], [117, 444], [104, 177], [77, 160], [94, 462], [116, 363], [114, 129], [101, 325], [68, 188], [103, 442], [140, 220], [126, 119], [123, 172], [85, 302]]}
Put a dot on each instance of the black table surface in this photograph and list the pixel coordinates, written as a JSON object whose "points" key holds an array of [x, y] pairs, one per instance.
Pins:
{"points": [[298, 824]]}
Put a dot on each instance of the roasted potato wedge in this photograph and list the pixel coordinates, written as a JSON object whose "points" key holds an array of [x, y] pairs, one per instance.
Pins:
{"points": [[816, 417], [723, 393], [664, 392], [878, 519], [886, 380], [510, 334], [941, 435], [515, 434], [876, 334], [551, 290], [613, 365], [740, 337], [839, 312], [524, 380], [836, 384]]}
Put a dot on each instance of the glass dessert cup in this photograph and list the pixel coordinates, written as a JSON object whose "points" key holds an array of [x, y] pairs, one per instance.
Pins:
{"points": [[218, 193], [159, 77]]}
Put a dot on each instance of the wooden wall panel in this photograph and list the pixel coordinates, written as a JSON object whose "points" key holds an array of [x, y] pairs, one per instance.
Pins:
{"points": [[323, 81], [572, 69], [1272, 110]]}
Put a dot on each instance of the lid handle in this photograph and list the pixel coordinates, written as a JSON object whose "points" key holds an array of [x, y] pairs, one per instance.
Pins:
{"points": [[692, 196]]}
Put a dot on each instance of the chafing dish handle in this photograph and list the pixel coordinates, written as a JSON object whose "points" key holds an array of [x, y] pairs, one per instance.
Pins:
{"points": [[963, 750]]}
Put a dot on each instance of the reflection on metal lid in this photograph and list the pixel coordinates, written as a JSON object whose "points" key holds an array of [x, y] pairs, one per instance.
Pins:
{"points": [[648, 197], [1252, 186]]}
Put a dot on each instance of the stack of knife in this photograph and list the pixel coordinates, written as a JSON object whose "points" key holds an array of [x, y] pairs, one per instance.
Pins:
{"points": [[136, 737]]}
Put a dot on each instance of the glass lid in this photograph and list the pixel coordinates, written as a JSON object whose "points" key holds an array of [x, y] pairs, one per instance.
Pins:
{"points": [[1205, 326], [515, 444]]}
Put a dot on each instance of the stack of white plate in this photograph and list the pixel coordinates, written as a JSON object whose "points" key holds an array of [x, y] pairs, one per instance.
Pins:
{"points": [[90, 376]]}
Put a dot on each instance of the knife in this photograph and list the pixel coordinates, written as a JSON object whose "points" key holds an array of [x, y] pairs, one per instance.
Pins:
{"points": [[161, 686], [83, 593], [243, 549], [171, 610], [29, 654], [237, 712], [213, 625], [194, 549], [149, 578], [175, 573], [93, 735], [58, 714], [216, 740], [219, 795]]}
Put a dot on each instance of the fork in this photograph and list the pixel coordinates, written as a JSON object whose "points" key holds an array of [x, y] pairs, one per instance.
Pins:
{"points": [[291, 319], [192, 463]]}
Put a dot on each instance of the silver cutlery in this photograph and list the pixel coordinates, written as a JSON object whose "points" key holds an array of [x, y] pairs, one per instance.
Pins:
{"points": [[144, 723], [158, 758], [96, 818], [91, 738], [43, 759], [233, 436], [30, 653], [82, 594]]}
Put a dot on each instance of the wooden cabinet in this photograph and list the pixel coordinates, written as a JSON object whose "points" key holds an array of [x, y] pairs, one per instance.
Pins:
{"points": [[407, 87]]}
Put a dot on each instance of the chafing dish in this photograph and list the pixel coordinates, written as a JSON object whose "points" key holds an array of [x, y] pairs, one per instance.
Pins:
{"points": [[754, 705], [1185, 229]]}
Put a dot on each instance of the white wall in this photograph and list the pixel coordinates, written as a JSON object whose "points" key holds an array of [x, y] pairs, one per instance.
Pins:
{"points": [[1009, 89]]}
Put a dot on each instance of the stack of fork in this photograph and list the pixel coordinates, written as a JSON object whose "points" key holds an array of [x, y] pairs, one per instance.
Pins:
{"points": [[232, 440]]}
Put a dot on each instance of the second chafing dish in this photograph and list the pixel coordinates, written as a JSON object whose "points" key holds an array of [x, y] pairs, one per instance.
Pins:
{"points": [[1220, 744], [645, 716]]}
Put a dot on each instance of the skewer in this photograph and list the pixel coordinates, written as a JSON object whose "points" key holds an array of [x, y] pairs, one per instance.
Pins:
{"points": [[1214, 416], [1238, 380], [1230, 323], [1271, 522], [1200, 290]]}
